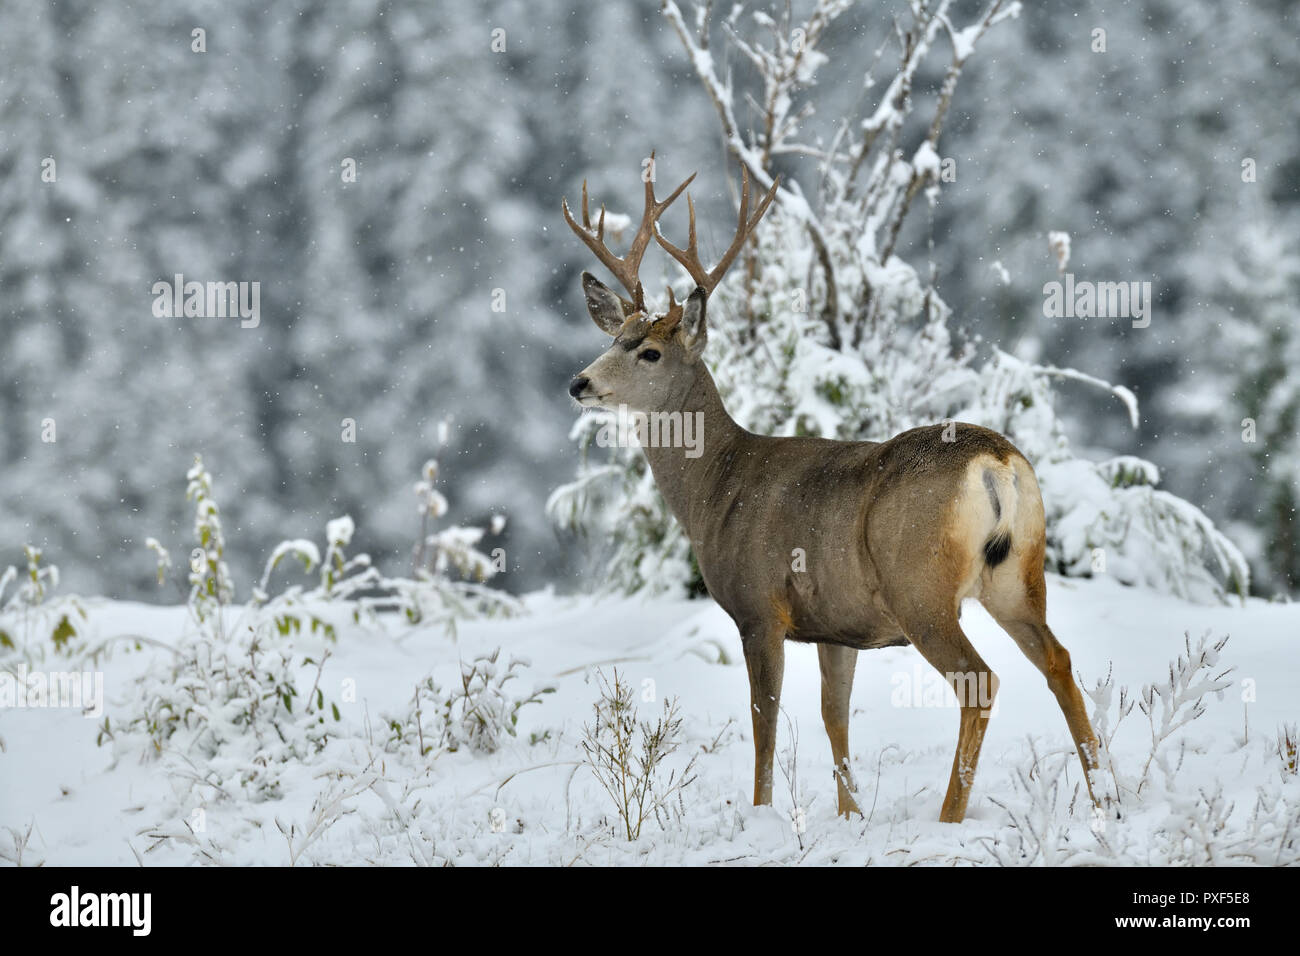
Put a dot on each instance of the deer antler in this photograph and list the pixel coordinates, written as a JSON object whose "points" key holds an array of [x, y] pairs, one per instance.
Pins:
{"points": [[624, 269], [690, 258]]}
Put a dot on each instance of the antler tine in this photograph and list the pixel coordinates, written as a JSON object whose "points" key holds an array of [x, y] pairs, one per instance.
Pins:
{"points": [[672, 302], [594, 239], [650, 216], [626, 268], [744, 226], [690, 257]]}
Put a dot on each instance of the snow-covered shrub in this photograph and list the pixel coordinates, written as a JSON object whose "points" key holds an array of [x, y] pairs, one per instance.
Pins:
{"points": [[626, 755], [235, 701], [330, 805], [243, 696], [1194, 824], [437, 553], [1040, 831], [477, 713], [210, 584], [1168, 705], [1206, 829], [824, 330], [30, 619], [234, 710], [353, 584]]}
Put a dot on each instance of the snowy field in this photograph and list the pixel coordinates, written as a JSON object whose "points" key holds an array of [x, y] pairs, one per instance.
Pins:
{"points": [[380, 786], [999, 213]]}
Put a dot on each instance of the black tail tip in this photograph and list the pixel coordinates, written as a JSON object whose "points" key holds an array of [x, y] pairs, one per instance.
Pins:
{"points": [[996, 549]]}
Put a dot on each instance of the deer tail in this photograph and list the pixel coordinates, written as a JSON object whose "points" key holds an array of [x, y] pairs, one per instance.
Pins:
{"points": [[1000, 482]]}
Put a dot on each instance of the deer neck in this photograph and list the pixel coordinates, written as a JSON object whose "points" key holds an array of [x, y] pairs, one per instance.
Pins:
{"points": [[685, 475]]}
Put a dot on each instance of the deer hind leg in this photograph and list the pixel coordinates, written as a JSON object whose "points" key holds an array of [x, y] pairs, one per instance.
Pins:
{"points": [[764, 648], [837, 664], [1015, 600], [947, 649]]}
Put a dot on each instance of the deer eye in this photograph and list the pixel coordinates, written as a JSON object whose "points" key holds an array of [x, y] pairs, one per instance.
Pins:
{"points": [[650, 355]]}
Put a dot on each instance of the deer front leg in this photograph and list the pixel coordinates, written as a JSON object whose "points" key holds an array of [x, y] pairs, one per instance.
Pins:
{"points": [[837, 666], [764, 648]]}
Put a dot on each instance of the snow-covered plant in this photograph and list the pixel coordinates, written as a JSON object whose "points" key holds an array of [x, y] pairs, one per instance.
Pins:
{"points": [[329, 806], [210, 584], [1039, 830], [452, 550], [1104, 705], [162, 559], [827, 331], [1177, 701], [1203, 829], [16, 848], [232, 713], [626, 755], [788, 762], [434, 595], [1192, 825], [234, 700], [243, 696], [477, 713], [1169, 705], [336, 567], [343, 589], [30, 616]]}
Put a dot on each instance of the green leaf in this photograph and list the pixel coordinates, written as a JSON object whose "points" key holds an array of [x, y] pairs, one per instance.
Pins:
{"points": [[6, 640], [63, 632]]}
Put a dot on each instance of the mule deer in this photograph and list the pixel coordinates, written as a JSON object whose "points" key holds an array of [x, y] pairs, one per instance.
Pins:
{"points": [[888, 537]]}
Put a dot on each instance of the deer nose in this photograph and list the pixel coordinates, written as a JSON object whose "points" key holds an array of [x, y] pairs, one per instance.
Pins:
{"points": [[578, 385]]}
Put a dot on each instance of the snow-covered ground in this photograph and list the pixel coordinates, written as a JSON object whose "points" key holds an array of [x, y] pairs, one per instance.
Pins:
{"points": [[1218, 789]]}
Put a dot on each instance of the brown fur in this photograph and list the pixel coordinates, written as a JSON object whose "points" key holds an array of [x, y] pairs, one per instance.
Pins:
{"points": [[782, 614]]}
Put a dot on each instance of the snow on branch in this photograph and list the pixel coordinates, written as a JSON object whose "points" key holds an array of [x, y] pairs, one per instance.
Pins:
{"points": [[1119, 391]]}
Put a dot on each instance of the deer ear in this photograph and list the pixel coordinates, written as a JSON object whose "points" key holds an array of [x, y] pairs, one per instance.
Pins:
{"points": [[608, 309], [693, 326]]}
